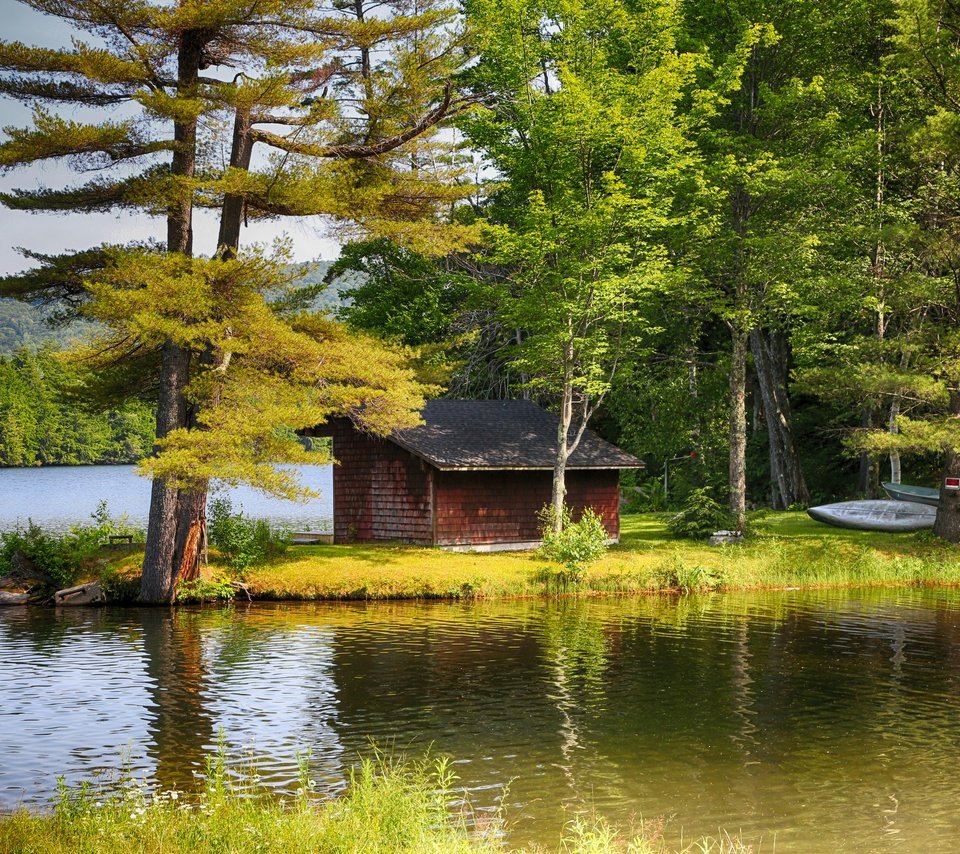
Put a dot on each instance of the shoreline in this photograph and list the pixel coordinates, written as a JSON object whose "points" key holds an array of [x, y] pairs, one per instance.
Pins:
{"points": [[786, 551]]}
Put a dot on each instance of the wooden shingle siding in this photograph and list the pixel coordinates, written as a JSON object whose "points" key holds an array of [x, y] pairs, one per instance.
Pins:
{"points": [[384, 491], [380, 491]]}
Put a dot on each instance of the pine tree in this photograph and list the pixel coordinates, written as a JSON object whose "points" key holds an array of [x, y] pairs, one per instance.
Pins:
{"points": [[344, 99]]}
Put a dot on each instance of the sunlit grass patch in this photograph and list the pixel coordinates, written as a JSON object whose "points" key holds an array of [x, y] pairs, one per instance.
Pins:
{"points": [[783, 550]]}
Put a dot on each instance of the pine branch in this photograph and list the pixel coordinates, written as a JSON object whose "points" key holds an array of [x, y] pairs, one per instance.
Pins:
{"points": [[57, 278], [53, 137], [146, 190], [354, 151], [61, 92], [91, 64]]}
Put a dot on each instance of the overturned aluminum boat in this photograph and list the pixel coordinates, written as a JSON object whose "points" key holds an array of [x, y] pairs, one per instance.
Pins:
{"points": [[918, 494], [889, 516]]}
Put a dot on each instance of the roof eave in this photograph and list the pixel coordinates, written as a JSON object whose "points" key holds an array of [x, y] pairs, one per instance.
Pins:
{"points": [[638, 464]]}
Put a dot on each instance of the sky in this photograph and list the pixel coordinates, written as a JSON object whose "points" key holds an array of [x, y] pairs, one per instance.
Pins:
{"points": [[53, 234]]}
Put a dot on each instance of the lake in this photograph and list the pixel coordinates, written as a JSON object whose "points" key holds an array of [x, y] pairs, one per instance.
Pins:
{"points": [[815, 721], [56, 497]]}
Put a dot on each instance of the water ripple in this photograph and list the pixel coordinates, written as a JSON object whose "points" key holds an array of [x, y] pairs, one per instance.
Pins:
{"points": [[825, 720]]}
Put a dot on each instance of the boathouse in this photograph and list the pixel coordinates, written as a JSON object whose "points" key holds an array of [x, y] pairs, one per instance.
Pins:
{"points": [[473, 476]]}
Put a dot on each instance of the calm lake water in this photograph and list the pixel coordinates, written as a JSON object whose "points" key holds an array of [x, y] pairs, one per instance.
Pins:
{"points": [[56, 497], [812, 722]]}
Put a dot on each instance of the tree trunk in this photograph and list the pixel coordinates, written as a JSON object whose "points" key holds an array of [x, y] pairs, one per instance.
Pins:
{"points": [[158, 581], [191, 527], [191, 536], [559, 490], [868, 480], [893, 428], [947, 525], [738, 428], [771, 361]]}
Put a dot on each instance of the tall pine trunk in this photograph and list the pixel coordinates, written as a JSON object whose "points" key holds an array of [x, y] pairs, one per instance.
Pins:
{"points": [[191, 537], [158, 582], [770, 358]]}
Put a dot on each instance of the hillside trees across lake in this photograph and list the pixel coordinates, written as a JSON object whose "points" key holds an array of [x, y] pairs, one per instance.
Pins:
{"points": [[43, 420]]}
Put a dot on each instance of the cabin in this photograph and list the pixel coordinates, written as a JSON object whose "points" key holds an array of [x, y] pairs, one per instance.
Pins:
{"points": [[473, 476]]}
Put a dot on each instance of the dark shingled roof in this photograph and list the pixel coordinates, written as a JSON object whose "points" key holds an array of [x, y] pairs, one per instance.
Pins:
{"points": [[501, 434]]}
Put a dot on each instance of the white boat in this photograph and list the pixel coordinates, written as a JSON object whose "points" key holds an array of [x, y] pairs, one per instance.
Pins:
{"points": [[890, 516]]}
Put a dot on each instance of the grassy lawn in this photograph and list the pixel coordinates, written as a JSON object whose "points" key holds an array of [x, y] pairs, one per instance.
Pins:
{"points": [[784, 550]]}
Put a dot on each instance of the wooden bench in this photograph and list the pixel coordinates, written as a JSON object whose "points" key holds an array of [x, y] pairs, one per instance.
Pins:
{"points": [[310, 538]]}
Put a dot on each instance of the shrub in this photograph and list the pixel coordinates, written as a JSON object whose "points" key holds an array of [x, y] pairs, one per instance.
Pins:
{"points": [[206, 590], [700, 517], [244, 542], [62, 556], [577, 544]]}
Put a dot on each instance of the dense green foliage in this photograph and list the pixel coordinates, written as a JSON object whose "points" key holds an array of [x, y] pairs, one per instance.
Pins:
{"points": [[243, 541], [753, 208], [43, 419], [574, 545], [701, 515], [726, 236]]}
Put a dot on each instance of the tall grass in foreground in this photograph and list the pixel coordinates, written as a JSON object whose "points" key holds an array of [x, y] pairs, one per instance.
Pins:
{"points": [[408, 806]]}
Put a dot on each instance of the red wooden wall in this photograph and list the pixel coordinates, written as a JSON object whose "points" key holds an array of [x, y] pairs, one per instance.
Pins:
{"points": [[477, 507], [380, 491]]}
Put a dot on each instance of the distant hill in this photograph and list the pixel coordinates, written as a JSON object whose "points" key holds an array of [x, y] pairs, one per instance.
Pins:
{"points": [[24, 325]]}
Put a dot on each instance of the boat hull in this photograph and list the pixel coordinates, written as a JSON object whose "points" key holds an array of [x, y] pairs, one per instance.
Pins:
{"points": [[887, 516], [916, 494]]}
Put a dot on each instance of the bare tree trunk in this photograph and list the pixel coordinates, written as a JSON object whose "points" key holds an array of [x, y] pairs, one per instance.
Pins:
{"points": [[770, 359], [559, 488], [158, 583], [868, 480], [693, 390], [893, 428], [738, 428]]}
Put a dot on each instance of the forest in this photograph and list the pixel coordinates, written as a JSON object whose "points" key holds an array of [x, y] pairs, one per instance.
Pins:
{"points": [[723, 235], [746, 214]]}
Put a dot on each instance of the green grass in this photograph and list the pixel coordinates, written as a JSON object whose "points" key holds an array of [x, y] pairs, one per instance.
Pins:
{"points": [[406, 806], [783, 550]]}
